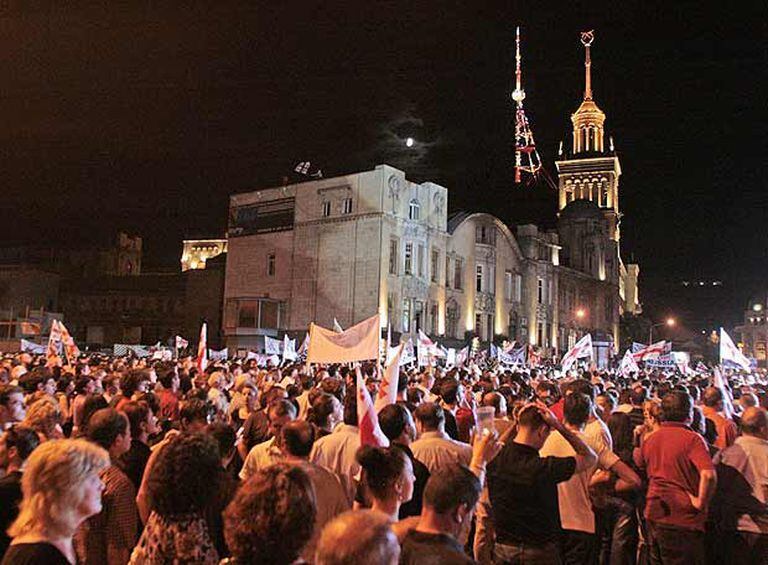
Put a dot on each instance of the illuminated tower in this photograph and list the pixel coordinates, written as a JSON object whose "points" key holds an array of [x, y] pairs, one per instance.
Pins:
{"points": [[526, 157], [589, 171]]}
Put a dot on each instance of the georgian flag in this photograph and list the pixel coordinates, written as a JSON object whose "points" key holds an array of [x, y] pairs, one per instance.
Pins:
{"points": [[408, 355], [53, 341], [583, 348], [729, 352], [202, 349], [628, 365], [652, 351], [367, 419], [70, 348], [388, 390]]}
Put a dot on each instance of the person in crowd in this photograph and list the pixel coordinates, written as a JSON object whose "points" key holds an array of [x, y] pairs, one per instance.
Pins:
{"points": [[12, 409], [256, 427], [193, 417], [16, 445], [168, 395], [267, 453], [741, 500], [578, 541], [337, 452], [109, 536], [449, 502], [44, 416], [682, 481], [522, 489], [358, 536], [330, 498], [638, 396], [133, 383], [397, 424], [713, 407], [143, 425], [325, 412], [83, 387], [272, 517], [605, 405], [91, 404], [184, 482], [61, 488], [387, 478], [500, 418], [434, 446]]}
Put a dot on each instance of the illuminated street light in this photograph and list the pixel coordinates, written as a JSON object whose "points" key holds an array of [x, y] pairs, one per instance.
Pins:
{"points": [[669, 322], [580, 313], [409, 142]]}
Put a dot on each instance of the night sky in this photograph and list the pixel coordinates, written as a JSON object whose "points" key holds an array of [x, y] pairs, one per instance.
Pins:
{"points": [[148, 119]]}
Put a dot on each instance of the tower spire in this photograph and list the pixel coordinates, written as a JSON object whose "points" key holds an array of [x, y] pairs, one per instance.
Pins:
{"points": [[526, 157], [587, 37]]}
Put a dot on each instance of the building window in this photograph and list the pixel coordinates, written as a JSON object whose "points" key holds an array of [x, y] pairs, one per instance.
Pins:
{"points": [[540, 294], [458, 273], [447, 271], [346, 206], [394, 255], [490, 282], [550, 293], [479, 325], [517, 293], [452, 319], [433, 318], [434, 265], [485, 235], [420, 260], [271, 265], [508, 286], [408, 259], [479, 278], [406, 315], [414, 210], [326, 208]]}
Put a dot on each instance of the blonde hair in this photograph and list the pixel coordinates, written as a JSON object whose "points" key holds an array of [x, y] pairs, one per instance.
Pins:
{"points": [[43, 415], [53, 484]]}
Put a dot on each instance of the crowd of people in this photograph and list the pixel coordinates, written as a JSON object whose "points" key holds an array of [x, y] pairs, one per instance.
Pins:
{"points": [[125, 460]]}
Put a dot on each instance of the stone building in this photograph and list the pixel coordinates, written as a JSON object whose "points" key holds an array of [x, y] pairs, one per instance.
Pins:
{"points": [[753, 333], [351, 246]]}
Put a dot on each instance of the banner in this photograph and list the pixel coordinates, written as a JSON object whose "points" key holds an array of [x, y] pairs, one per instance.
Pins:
{"points": [[514, 356], [583, 348], [358, 343], [729, 352], [29, 328], [272, 346], [222, 355], [32, 347]]}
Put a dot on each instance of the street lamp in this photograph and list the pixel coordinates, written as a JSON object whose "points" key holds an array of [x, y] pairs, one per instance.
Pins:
{"points": [[669, 322], [580, 313]]}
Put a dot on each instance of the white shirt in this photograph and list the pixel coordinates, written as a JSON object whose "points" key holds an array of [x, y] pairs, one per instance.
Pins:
{"points": [[573, 495], [436, 449], [260, 456], [336, 452], [743, 464]]}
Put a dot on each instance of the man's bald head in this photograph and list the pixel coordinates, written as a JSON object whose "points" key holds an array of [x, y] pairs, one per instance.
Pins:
{"points": [[754, 422]]}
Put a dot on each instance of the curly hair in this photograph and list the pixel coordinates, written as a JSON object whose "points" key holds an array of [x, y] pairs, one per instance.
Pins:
{"points": [[53, 484], [187, 475], [272, 516], [43, 416], [382, 468]]}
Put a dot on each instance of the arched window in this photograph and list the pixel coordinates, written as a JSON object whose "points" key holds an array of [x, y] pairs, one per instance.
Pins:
{"points": [[414, 210]]}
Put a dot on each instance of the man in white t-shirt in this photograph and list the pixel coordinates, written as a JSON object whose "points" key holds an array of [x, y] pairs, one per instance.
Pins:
{"points": [[579, 541]]}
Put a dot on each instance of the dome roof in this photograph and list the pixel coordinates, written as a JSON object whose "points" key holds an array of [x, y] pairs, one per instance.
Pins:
{"points": [[581, 209]]}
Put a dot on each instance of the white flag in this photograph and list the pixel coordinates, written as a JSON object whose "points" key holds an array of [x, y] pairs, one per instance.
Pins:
{"points": [[388, 390], [583, 348], [628, 365], [729, 351], [408, 355], [358, 343], [462, 356], [289, 349]]}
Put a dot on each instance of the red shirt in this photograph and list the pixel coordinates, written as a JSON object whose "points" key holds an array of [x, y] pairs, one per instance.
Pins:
{"points": [[673, 458], [169, 405], [558, 409]]}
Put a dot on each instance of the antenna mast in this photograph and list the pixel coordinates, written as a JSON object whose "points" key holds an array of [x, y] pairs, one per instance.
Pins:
{"points": [[526, 156]]}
